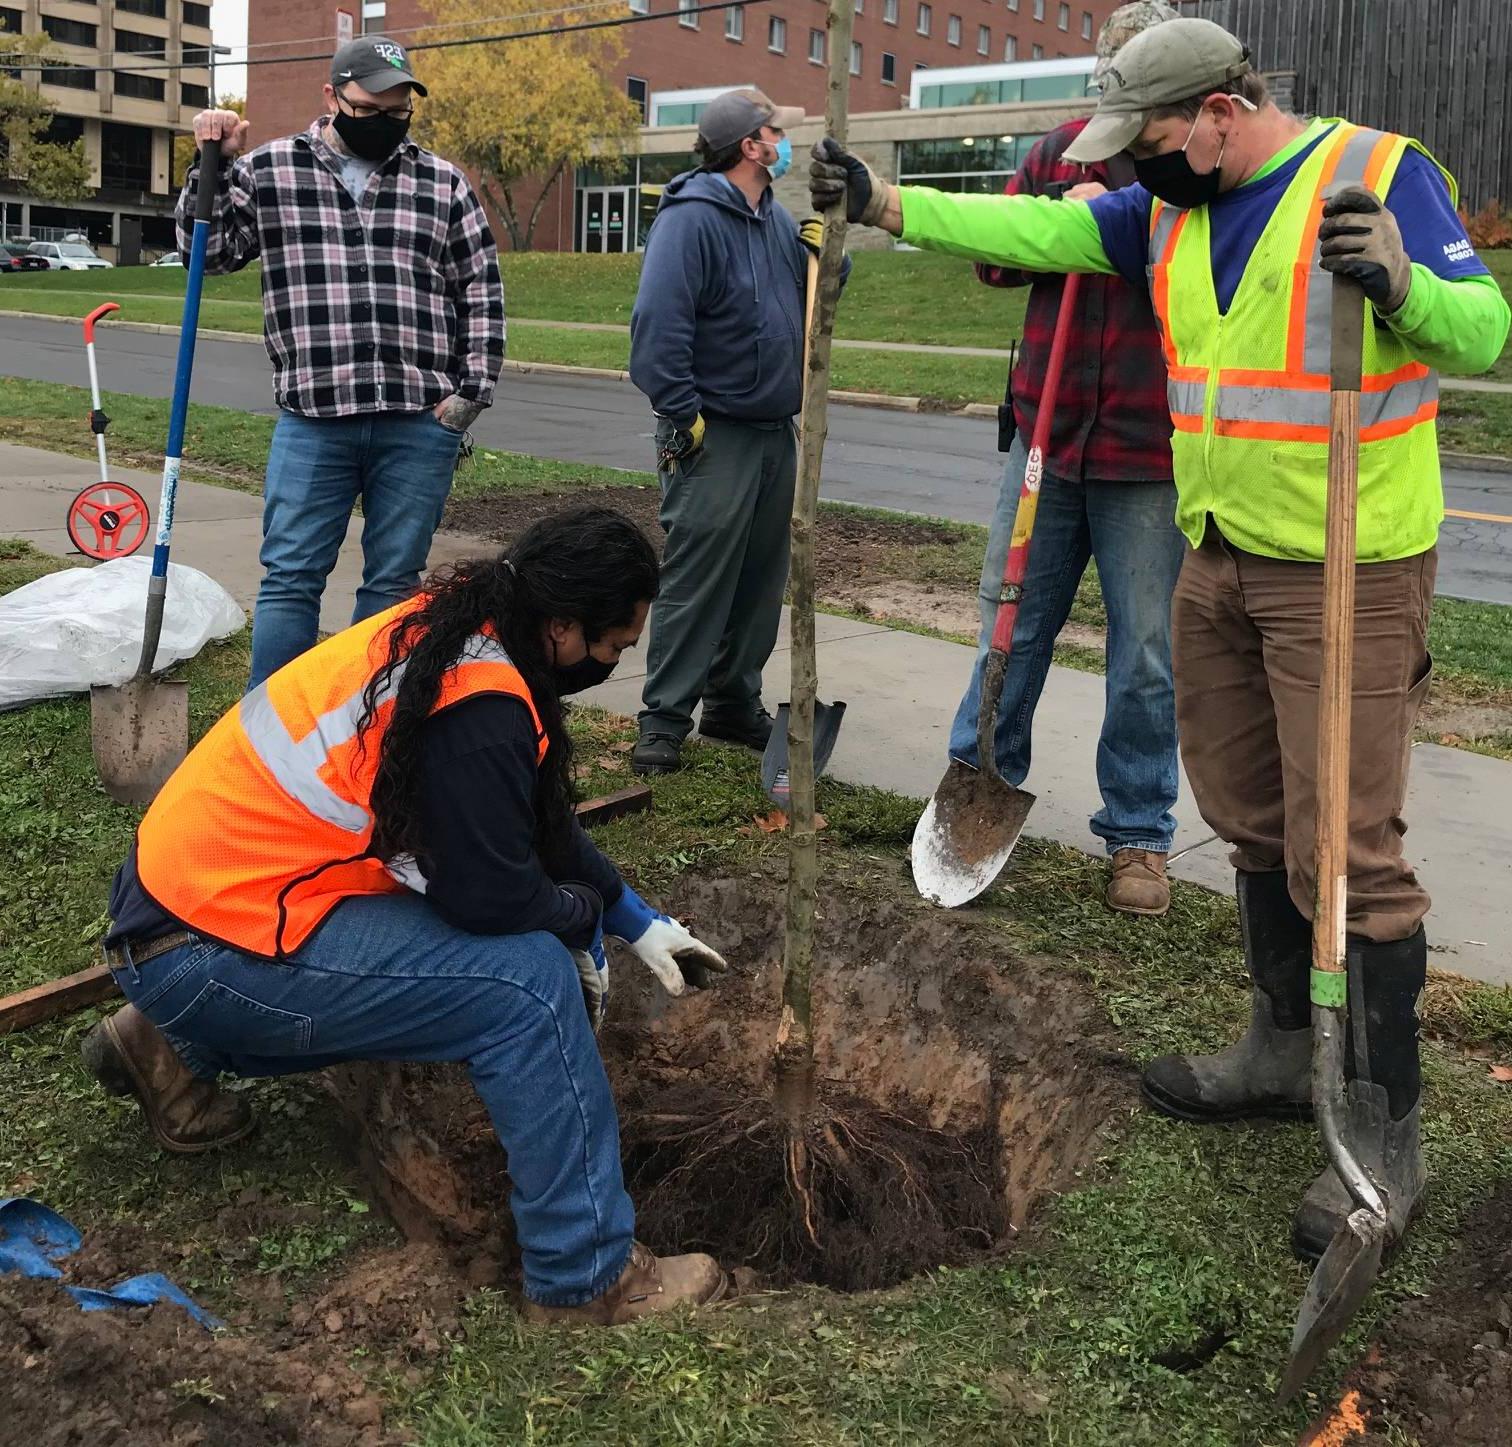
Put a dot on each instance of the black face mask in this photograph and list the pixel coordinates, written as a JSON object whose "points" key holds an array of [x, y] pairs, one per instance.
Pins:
{"points": [[575, 677], [1170, 176], [371, 138]]}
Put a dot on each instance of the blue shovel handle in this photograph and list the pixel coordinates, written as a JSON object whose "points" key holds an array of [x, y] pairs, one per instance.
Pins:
{"points": [[157, 586]]}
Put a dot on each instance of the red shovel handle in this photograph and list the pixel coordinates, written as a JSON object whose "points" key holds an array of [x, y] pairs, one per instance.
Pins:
{"points": [[1028, 503], [103, 310]]}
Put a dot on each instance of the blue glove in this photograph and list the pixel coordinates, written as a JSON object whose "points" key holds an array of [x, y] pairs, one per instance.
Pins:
{"points": [[593, 975], [667, 948]]}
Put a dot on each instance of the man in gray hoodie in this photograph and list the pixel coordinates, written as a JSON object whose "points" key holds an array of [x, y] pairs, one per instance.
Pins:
{"points": [[716, 344]]}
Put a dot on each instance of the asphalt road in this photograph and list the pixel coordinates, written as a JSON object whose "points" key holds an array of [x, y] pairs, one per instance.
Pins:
{"points": [[910, 462]]}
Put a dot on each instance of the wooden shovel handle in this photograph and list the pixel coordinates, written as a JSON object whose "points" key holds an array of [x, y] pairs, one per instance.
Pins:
{"points": [[1334, 693]]}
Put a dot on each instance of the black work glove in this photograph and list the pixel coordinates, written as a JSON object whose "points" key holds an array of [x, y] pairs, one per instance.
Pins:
{"points": [[676, 444], [836, 174], [1360, 239]]}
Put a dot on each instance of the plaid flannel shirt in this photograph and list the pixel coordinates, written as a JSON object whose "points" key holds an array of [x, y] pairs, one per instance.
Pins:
{"points": [[1112, 421], [387, 306]]}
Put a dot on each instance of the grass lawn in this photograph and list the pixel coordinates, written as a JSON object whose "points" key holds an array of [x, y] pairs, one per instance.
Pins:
{"points": [[1176, 1232]]}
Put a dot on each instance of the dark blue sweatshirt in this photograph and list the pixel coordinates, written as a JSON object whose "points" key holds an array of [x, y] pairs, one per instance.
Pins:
{"points": [[718, 320]]}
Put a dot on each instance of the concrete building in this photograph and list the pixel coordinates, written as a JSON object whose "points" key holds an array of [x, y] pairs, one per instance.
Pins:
{"points": [[922, 72], [127, 122]]}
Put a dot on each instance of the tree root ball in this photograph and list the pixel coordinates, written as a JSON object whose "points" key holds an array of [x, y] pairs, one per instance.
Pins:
{"points": [[958, 1085]]}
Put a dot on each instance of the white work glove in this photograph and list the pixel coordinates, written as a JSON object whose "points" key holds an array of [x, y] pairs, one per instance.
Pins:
{"points": [[676, 956], [593, 974]]}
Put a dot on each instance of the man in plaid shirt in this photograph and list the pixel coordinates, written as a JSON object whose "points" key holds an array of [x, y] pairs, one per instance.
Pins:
{"points": [[1107, 495], [384, 318]]}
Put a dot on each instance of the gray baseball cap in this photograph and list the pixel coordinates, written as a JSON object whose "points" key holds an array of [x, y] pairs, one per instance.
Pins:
{"points": [[1168, 63], [374, 62], [739, 113]]}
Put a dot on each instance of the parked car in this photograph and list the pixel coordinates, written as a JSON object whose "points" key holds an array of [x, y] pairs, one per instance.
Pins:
{"points": [[14, 257], [169, 258], [69, 255]]}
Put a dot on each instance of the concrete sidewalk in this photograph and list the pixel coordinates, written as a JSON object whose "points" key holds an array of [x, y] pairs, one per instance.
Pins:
{"points": [[901, 689]]}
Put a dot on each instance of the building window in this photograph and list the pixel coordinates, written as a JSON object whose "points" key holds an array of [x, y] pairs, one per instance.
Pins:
{"points": [[69, 32], [735, 24], [1036, 52], [685, 15], [138, 87], [1086, 25], [194, 95], [641, 7], [889, 68], [777, 35], [889, 12], [1039, 9], [374, 14], [953, 30], [975, 164], [1063, 18], [816, 47], [68, 75], [126, 156], [133, 42], [1013, 6], [984, 40], [855, 57], [157, 8], [197, 15], [635, 88], [860, 8], [1010, 47], [926, 15]]}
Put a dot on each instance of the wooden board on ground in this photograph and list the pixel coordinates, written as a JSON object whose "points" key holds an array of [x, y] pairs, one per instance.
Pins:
{"points": [[89, 987]]}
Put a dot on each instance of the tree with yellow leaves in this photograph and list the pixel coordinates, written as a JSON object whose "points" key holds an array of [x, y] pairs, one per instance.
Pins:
{"points": [[521, 110]]}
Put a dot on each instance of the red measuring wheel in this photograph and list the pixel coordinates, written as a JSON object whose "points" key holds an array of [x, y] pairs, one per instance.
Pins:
{"points": [[107, 520]]}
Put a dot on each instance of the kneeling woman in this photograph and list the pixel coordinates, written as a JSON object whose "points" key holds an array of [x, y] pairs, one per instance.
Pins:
{"points": [[374, 856]]}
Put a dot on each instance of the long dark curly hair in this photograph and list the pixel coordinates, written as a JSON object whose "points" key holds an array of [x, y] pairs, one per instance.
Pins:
{"points": [[590, 565]]}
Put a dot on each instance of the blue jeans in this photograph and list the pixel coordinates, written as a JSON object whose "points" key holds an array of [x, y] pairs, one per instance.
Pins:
{"points": [[1129, 528], [384, 978], [399, 463]]}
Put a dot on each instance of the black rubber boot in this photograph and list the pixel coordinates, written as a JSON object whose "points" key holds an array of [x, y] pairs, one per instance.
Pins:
{"points": [[753, 729], [656, 754], [1384, 1092], [1268, 1072]]}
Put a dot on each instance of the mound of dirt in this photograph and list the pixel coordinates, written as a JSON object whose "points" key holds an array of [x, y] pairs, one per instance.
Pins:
{"points": [[1441, 1374], [151, 1377], [962, 1085]]}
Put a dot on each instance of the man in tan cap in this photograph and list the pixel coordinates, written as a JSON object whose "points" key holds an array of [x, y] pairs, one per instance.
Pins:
{"points": [[1224, 226]]}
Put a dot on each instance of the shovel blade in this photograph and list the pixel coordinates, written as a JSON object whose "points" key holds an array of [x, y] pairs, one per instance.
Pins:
{"points": [[966, 834], [774, 762], [139, 733], [1340, 1282]]}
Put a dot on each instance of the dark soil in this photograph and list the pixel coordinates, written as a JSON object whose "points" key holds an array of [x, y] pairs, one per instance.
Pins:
{"points": [[947, 1113], [853, 551], [152, 1377], [1442, 1372]]}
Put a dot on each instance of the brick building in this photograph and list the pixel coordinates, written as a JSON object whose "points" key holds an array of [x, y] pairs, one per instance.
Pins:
{"points": [[127, 122], [672, 67]]}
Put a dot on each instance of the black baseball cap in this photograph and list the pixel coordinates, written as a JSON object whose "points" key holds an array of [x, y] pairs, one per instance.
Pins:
{"points": [[374, 62]]}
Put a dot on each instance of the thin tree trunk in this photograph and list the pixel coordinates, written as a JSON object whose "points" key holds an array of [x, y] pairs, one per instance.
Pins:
{"points": [[540, 201], [503, 200], [794, 1070]]}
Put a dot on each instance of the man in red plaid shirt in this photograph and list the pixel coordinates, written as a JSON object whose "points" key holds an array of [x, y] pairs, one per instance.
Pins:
{"points": [[383, 314], [1106, 495]]}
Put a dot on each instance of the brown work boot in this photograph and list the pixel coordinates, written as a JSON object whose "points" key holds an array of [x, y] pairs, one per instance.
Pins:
{"points": [[648, 1284], [1139, 884], [129, 1056]]}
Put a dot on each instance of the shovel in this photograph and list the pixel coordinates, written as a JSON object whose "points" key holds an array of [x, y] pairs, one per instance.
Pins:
{"points": [[827, 716], [970, 827], [140, 731], [1344, 1275]]}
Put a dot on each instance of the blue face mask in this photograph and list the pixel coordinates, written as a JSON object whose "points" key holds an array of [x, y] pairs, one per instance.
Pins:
{"points": [[779, 168]]}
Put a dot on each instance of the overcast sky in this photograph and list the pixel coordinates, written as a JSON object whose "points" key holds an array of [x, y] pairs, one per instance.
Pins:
{"points": [[228, 26]]}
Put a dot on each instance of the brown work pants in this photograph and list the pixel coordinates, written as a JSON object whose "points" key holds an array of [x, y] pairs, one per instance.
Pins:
{"points": [[1246, 641]]}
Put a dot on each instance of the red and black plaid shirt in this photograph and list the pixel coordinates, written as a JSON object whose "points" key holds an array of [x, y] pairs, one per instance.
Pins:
{"points": [[1111, 419]]}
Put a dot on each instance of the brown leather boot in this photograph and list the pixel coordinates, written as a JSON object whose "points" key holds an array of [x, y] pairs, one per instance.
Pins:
{"points": [[128, 1056], [647, 1285], [1139, 884]]}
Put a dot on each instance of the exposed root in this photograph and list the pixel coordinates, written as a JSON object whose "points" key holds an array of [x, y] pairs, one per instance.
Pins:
{"points": [[862, 1197]]}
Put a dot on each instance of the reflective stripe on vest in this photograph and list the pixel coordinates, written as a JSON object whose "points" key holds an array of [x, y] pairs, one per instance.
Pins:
{"points": [[296, 765]]}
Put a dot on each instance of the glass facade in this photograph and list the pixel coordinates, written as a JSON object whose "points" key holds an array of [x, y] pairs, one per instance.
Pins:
{"points": [[989, 92], [971, 163], [613, 210]]}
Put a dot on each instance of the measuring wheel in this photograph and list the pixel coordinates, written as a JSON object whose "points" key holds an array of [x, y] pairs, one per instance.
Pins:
{"points": [[107, 520]]}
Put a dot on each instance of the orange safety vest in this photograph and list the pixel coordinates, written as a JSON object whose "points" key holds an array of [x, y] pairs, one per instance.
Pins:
{"points": [[1249, 388], [266, 826]]}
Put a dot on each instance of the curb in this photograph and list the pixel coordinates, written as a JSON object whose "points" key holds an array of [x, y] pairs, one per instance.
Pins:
{"points": [[1476, 461], [157, 329]]}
